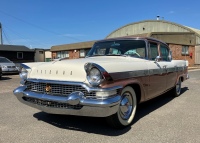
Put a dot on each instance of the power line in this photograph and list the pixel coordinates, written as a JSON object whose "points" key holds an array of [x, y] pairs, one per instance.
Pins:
{"points": [[6, 37], [19, 35], [36, 26]]}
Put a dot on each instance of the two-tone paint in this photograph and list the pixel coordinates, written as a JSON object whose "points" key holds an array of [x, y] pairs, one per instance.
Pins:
{"points": [[149, 78]]}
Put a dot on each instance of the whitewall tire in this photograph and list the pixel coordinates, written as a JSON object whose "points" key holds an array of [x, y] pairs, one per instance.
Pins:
{"points": [[126, 111]]}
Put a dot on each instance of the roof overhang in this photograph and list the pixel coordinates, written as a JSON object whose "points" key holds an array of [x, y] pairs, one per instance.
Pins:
{"points": [[74, 46]]}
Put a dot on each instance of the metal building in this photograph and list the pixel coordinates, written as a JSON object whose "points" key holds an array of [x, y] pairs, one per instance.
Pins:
{"points": [[183, 41]]}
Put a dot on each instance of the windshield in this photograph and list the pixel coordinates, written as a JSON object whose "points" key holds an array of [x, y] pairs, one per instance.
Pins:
{"points": [[4, 60], [134, 48]]}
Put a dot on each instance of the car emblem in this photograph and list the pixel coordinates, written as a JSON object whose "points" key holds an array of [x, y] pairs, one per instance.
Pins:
{"points": [[48, 88]]}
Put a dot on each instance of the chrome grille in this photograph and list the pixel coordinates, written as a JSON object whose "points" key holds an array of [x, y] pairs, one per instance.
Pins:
{"points": [[10, 66], [52, 103], [57, 89]]}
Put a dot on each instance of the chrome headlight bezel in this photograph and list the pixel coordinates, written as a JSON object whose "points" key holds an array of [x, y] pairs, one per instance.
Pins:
{"points": [[23, 74], [94, 77], [96, 74]]}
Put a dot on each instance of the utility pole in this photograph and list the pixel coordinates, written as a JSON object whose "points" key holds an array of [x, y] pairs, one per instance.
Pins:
{"points": [[1, 37]]}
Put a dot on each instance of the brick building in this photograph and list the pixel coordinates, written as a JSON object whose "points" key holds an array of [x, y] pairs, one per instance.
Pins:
{"points": [[183, 41], [71, 51]]}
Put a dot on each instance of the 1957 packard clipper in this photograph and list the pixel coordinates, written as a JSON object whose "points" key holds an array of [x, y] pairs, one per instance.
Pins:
{"points": [[110, 82]]}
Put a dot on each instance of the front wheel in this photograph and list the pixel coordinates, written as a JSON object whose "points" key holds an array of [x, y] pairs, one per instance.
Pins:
{"points": [[126, 111]]}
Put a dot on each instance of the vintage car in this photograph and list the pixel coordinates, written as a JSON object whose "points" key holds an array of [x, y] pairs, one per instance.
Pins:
{"points": [[116, 75]]}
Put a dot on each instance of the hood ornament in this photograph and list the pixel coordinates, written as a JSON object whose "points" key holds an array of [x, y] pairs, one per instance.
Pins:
{"points": [[48, 88]]}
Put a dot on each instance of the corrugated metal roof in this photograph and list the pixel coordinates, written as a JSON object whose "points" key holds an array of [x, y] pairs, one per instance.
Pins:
{"points": [[15, 48], [74, 46], [195, 30], [149, 26]]}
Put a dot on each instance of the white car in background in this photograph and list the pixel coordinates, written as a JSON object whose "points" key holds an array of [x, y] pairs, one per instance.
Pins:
{"points": [[0, 72], [7, 66]]}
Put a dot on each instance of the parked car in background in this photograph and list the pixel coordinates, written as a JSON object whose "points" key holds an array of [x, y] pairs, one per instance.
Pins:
{"points": [[7, 66], [110, 82], [0, 72]]}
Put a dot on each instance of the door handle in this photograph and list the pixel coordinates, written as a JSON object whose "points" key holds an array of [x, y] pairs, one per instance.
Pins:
{"points": [[165, 66]]}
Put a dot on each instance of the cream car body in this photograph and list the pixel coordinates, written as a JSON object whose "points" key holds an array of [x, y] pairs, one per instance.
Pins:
{"points": [[116, 76]]}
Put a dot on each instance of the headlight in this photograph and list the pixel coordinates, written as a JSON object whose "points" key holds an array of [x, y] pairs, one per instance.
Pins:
{"points": [[94, 77], [4, 67], [23, 74]]}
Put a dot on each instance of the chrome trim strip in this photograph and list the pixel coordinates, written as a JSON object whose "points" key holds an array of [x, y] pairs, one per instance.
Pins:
{"points": [[140, 73], [88, 88]]}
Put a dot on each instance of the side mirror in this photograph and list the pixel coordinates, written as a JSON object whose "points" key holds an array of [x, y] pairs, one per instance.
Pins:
{"points": [[157, 59]]}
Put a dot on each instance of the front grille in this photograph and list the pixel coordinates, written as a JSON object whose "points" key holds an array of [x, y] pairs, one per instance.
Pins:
{"points": [[57, 89], [10, 66], [52, 103]]}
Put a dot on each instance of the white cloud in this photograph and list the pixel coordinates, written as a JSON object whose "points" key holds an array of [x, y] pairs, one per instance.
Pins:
{"points": [[171, 12], [73, 35]]}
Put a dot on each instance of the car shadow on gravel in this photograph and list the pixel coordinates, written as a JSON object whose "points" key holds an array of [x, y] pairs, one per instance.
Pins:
{"points": [[154, 104], [98, 125], [5, 78], [95, 125]]}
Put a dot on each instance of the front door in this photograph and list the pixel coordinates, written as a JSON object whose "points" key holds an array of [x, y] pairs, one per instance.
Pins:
{"points": [[170, 67], [157, 72]]}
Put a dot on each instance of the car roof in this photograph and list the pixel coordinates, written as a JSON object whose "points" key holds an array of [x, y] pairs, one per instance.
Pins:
{"points": [[131, 38]]}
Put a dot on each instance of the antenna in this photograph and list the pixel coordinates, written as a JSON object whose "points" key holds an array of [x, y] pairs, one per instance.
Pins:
{"points": [[158, 17]]}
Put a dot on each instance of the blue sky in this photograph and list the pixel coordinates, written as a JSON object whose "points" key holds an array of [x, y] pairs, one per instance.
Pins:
{"points": [[44, 23]]}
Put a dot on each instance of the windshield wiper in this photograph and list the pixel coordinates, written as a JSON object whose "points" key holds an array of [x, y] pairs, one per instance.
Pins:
{"points": [[95, 55], [116, 55]]}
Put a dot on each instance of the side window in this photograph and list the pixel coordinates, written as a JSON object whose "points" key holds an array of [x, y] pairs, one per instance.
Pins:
{"points": [[153, 52], [164, 52]]}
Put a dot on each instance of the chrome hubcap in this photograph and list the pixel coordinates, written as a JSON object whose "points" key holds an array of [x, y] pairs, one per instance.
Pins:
{"points": [[126, 106]]}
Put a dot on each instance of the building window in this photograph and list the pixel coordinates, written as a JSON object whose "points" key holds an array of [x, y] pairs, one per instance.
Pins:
{"points": [[19, 55], [82, 53], [185, 50], [62, 54], [65, 54], [58, 55], [41, 52]]}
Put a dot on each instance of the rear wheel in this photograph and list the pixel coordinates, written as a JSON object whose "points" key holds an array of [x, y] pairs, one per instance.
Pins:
{"points": [[176, 91], [126, 111]]}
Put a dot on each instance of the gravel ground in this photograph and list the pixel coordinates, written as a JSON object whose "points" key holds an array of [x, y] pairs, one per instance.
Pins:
{"points": [[163, 119]]}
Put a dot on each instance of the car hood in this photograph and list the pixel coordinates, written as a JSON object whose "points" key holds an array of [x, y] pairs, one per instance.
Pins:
{"points": [[7, 64], [73, 70]]}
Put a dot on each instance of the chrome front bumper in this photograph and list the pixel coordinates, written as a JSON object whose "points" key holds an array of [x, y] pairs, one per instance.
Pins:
{"points": [[89, 106]]}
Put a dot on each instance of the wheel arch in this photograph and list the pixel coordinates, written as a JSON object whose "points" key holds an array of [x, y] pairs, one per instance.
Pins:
{"points": [[182, 78], [136, 87]]}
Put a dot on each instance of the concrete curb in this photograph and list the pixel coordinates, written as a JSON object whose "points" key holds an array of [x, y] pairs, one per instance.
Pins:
{"points": [[193, 68]]}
